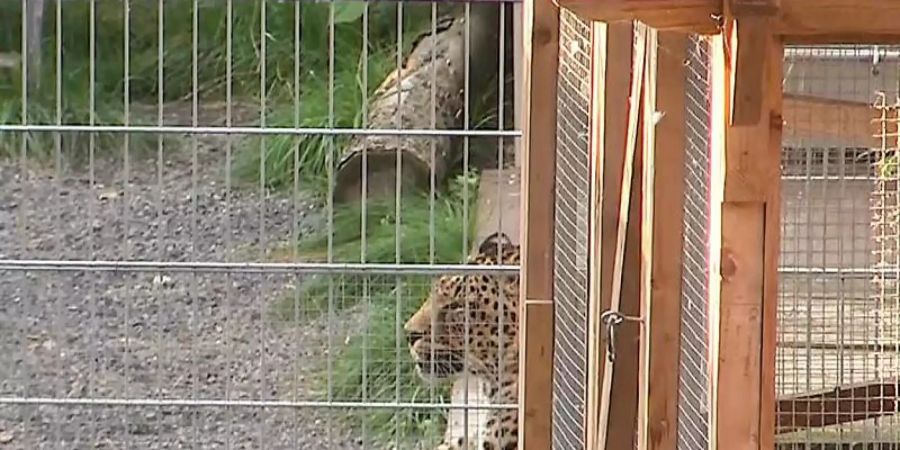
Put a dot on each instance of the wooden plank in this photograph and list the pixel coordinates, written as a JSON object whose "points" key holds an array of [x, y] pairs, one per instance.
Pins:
{"points": [[612, 69], [772, 245], [619, 389], [748, 48], [834, 406], [747, 162], [797, 21], [806, 115], [596, 114], [662, 238], [743, 232], [685, 15], [839, 21], [540, 68]]}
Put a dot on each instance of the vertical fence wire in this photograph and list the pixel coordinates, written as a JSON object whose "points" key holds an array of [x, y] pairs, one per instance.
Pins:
{"points": [[180, 296], [836, 365]]}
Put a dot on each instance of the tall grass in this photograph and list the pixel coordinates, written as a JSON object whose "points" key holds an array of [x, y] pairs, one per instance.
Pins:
{"points": [[374, 364], [290, 99]]}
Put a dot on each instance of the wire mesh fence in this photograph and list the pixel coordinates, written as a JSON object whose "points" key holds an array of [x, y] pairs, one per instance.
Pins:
{"points": [[836, 370], [693, 395], [571, 228], [219, 222]]}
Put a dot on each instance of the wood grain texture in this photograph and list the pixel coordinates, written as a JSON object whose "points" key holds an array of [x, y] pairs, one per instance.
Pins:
{"points": [[797, 21], [747, 264], [608, 129], [662, 237], [540, 67]]}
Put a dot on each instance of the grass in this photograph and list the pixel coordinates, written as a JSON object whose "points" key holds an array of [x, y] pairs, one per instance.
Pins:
{"points": [[374, 363], [292, 97]]}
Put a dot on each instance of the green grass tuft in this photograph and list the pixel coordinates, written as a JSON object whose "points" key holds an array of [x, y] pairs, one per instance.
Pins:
{"points": [[375, 360]]}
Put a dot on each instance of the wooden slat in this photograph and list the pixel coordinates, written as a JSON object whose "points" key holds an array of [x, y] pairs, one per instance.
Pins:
{"points": [[540, 67], [806, 115], [619, 389], [611, 62], [843, 404], [772, 245], [663, 199], [599, 38]]}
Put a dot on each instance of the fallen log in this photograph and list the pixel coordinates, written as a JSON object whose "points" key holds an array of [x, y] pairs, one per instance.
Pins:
{"points": [[404, 100]]}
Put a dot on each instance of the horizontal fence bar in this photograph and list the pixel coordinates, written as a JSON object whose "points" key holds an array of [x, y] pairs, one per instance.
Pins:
{"points": [[857, 272], [251, 267], [185, 403], [154, 129], [843, 52]]}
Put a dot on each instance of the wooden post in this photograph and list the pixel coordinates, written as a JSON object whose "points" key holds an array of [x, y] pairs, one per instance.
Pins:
{"points": [[619, 241], [540, 64], [663, 199], [746, 168]]}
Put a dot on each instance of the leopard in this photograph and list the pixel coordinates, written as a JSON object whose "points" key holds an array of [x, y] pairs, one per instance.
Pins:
{"points": [[488, 304]]}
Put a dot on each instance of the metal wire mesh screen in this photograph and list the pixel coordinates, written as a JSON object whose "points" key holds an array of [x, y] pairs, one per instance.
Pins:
{"points": [[572, 198], [838, 305], [177, 266], [693, 401]]}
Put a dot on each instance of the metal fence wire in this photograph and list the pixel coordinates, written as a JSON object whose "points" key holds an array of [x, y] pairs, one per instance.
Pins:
{"points": [[837, 315], [693, 391], [220, 223], [571, 232]]}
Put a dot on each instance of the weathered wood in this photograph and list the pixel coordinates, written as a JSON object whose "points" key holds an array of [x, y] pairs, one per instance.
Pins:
{"points": [[748, 47], [612, 66], [746, 167], [540, 71], [404, 100], [697, 15], [797, 21], [605, 48], [772, 245], [852, 122], [619, 389], [663, 226]]}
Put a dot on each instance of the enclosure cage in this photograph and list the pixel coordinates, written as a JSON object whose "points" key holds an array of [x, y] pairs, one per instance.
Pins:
{"points": [[837, 336], [221, 222]]}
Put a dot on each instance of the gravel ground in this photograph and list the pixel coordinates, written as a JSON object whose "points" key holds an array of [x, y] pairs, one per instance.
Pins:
{"points": [[152, 335]]}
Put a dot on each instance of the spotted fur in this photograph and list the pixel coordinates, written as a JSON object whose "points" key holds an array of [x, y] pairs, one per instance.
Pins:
{"points": [[488, 305]]}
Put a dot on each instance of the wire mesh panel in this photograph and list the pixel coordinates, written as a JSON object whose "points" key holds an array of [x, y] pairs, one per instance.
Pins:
{"points": [[251, 224], [693, 395], [837, 328], [571, 228]]}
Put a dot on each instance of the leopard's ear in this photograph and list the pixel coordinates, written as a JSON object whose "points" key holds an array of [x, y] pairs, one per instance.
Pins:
{"points": [[494, 243]]}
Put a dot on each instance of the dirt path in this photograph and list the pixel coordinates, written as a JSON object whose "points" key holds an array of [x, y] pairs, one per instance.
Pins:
{"points": [[153, 335]]}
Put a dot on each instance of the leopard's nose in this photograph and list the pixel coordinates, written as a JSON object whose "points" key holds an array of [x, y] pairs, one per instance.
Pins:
{"points": [[413, 336]]}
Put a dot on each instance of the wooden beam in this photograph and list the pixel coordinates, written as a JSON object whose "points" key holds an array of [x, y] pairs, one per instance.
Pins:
{"points": [[693, 15], [839, 21], [662, 238], [797, 21], [748, 160], [540, 70], [853, 122], [747, 25]]}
